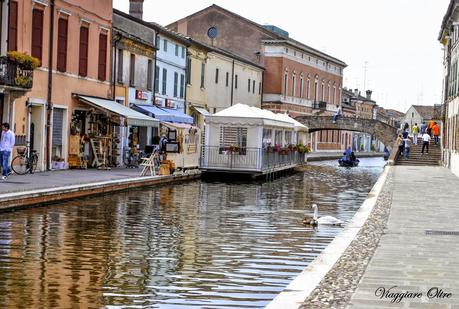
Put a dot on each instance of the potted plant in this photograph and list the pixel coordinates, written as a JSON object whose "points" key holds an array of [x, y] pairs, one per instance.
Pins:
{"points": [[277, 148], [23, 60], [233, 148]]}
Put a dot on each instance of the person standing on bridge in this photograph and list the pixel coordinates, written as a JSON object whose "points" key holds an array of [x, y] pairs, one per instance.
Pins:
{"points": [[407, 145], [339, 112], [415, 131], [423, 128], [401, 145]]}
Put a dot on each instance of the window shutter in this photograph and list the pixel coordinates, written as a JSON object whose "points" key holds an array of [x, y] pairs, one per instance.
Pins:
{"points": [[37, 33], [120, 66], [150, 75], [13, 26], [58, 121], [83, 64], [62, 45], [102, 56], [132, 71]]}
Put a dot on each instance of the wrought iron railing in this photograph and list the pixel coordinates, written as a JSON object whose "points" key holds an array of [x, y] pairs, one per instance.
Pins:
{"points": [[249, 159], [12, 75]]}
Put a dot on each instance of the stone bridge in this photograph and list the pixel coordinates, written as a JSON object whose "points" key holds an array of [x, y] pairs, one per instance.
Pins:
{"points": [[384, 132]]}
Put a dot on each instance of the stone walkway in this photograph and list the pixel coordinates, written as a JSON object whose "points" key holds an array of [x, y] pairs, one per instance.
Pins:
{"points": [[54, 179], [412, 256]]}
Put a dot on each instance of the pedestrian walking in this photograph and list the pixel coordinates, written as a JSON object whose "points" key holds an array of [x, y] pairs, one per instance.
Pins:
{"points": [[423, 128], [436, 132], [405, 132], [6, 147], [415, 131], [407, 145], [401, 145], [429, 127], [338, 113], [425, 142]]}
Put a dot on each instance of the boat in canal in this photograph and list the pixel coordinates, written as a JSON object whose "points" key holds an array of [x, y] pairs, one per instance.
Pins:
{"points": [[347, 163]]}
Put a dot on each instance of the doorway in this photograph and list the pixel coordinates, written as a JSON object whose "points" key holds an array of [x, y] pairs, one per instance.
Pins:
{"points": [[37, 134]]}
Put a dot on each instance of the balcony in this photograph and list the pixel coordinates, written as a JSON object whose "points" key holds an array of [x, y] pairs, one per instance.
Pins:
{"points": [[249, 160], [12, 75], [319, 105]]}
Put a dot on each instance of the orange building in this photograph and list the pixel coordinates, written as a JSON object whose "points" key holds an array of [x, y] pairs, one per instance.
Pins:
{"points": [[71, 37]]}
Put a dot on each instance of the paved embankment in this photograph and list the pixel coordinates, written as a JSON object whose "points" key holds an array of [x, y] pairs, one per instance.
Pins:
{"points": [[407, 248], [323, 156], [38, 188]]}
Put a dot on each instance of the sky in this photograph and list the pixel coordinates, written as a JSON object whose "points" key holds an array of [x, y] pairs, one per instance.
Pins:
{"points": [[390, 46]]}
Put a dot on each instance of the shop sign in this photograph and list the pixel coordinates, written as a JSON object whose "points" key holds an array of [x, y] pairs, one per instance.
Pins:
{"points": [[141, 95], [159, 102], [171, 104]]}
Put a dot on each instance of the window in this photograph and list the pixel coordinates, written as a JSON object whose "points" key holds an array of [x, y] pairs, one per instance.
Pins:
{"points": [[308, 89], [316, 95], [216, 76], [13, 26], [253, 86], [150, 74], [334, 94], [120, 66], [177, 50], [294, 85], [227, 79], [188, 71], [37, 33], [278, 137], [165, 45], [323, 91], [175, 84], [248, 85], [156, 79], [132, 71], [288, 137], [183, 52], [230, 136], [329, 93], [164, 88], [301, 86], [203, 68], [62, 27], [285, 83], [235, 81], [182, 85], [83, 61], [102, 69]]}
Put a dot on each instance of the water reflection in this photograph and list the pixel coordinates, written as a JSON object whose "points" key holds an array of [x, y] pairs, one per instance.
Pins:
{"points": [[197, 244]]}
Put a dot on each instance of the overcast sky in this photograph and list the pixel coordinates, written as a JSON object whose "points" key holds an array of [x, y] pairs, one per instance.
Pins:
{"points": [[397, 39]]}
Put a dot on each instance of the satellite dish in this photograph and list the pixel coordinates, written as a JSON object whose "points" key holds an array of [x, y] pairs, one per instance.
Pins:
{"points": [[212, 32]]}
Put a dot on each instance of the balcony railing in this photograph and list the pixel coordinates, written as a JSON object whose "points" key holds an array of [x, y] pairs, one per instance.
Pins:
{"points": [[248, 159], [14, 76], [319, 105]]}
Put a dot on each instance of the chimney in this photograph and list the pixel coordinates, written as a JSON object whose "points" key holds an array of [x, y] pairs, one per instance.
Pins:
{"points": [[356, 92], [136, 8], [369, 92]]}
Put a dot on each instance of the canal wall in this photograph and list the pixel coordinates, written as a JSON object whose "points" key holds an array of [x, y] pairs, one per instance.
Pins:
{"points": [[304, 284], [22, 199], [324, 156]]}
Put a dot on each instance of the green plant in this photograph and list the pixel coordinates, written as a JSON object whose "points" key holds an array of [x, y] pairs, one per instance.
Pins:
{"points": [[23, 81], [24, 61], [373, 147]]}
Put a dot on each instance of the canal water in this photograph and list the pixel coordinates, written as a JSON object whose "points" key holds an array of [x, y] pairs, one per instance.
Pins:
{"points": [[197, 244]]}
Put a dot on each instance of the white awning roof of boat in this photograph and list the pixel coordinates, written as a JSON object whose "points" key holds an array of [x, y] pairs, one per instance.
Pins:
{"points": [[134, 118]]}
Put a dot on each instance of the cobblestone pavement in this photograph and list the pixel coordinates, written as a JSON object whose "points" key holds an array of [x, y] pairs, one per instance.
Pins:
{"points": [[411, 257]]}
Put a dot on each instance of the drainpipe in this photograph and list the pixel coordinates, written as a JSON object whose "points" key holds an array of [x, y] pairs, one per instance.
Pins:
{"points": [[262, 87], [49, 104], [232, 84], [116, 39], [186, 80], [445, 103], [154, 69]]}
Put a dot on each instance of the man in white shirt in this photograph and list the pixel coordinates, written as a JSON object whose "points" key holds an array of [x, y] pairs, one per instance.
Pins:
{"points": [[338, 113], [425, 142], [6, 147]]}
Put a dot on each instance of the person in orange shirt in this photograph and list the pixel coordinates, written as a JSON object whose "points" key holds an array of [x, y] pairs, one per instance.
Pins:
{"points": [[429, 127], [436, 132]]}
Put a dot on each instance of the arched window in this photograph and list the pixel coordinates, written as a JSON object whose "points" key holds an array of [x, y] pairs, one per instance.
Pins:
{"points": [[316, 89], [323, 90], [285, 82], [308, 89], [329, 93], [301, 85], [334, 94], [294, 84]]}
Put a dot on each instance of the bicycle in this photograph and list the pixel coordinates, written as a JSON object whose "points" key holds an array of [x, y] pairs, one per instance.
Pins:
{"points": [[132, 159], [25, 162]]}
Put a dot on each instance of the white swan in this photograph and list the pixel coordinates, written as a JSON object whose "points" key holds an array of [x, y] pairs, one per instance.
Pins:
{"points": [[325, 220]]}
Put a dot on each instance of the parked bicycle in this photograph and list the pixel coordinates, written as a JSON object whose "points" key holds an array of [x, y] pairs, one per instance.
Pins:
{"points": [[25, 162], [132, 158]]}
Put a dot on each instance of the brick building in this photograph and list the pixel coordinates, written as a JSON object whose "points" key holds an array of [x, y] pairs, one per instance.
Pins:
{"points": [[298, 79]]}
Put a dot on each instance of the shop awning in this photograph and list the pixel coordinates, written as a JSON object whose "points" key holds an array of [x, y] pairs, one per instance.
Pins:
{"points": [[180, 117], [156, 112], [133, 117], [202, 111]]}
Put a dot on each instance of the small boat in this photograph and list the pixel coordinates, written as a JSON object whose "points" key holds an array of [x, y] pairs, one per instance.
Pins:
{"points": [[347, 163]]}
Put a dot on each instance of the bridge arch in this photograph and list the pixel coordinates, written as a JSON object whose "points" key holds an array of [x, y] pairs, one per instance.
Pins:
{"points": [[384, 132]]}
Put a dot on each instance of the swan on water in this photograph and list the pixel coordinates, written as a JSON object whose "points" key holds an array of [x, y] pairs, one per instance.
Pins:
{"points": [[325, 220]]}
